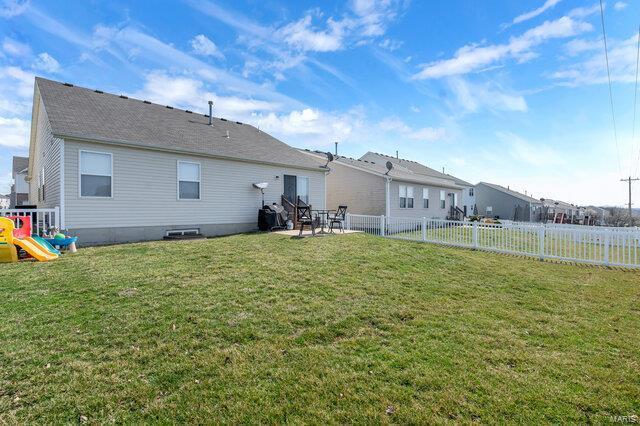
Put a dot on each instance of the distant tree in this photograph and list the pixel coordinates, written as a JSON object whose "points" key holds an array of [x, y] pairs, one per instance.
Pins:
{"points": [[620, 217]]}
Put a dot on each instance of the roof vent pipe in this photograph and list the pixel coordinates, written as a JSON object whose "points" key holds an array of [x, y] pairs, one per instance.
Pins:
{"points": [[336, 148], [397, 154], [210, 113]]}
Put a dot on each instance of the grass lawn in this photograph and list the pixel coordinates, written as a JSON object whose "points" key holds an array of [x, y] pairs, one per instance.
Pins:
{"points": [[264, 328]]}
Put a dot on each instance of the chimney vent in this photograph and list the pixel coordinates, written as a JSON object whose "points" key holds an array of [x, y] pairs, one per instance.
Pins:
{"points": [[397, 157], [336, 142], [210, 113]]}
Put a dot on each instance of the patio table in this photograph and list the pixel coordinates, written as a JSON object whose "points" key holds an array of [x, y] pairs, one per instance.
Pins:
{"points": [[323, 214]]}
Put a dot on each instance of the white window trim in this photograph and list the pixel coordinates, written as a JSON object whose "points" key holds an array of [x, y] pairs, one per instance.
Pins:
{"points": [[400, 197], [178, 180], [80, 173], [426, 191], [412, 198], [443, 197]]}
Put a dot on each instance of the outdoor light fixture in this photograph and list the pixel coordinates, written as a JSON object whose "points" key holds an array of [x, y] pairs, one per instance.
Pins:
{"points": [[261, 186]]}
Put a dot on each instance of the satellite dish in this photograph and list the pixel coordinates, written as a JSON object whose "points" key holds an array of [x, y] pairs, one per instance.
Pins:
{"points": [[329, 159], [389, 166]]}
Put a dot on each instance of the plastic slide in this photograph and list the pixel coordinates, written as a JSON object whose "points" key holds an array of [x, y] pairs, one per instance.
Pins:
{"points": [[44, 243], [34, 249], [8, 252]]}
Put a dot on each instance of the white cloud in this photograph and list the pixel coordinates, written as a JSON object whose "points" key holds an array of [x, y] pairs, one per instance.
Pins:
{"points": [[619, 5], [16, 91], [189, 93], [414, 108], [401, 129], [6, 181], [303, 36], [11, 8], [15, 48], [373, 16], [473, 57], [390, 44], [46, 63], [201, 45], [548, 4], [14, 132], [578, 46], [472, 97], [537, 155], [591, 69]]}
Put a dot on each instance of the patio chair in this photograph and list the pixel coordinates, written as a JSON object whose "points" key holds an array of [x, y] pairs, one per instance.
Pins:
{"points": [[338, 218], [305, 218]]}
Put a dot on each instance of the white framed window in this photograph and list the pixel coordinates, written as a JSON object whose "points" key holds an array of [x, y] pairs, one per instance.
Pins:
{"points": [[455, 199], [406, 196], [96, 174], [188, 180], [443, 199], [425, 198], [489, 210], [470, 192], [409, 197], [302, 187]]}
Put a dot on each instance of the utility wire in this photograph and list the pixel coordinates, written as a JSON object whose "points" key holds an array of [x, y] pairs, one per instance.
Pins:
{"points": [[613, 114], [635, 99]]}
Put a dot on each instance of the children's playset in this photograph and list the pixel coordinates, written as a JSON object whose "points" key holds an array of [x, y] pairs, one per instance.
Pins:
{"points": [[17, 242]]}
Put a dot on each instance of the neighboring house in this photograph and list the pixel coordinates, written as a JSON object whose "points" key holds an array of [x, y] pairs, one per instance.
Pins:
{"points": [[367, 187], [124, 169], [467, 201], [560, 210], [503, 203], [5, 201], [20, 188]]}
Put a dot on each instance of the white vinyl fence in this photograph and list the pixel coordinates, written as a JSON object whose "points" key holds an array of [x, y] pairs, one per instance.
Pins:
{"points": [[41, 219], [594, 245]]}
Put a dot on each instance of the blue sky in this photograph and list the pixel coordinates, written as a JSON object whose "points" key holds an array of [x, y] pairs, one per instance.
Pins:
{"points": [[509, 92]]}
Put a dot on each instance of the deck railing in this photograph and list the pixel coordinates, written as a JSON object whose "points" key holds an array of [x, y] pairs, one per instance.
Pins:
{"points": [[588, 244], [41, 219]]}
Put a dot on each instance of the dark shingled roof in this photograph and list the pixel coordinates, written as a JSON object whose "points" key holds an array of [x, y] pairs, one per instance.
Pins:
{"points": [[511, 192], [20, 163], [76, 112]]}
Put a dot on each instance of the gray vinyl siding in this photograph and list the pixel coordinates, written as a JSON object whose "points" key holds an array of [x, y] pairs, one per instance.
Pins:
{"points": [[433, 212], [504, 205], [145, 190], [361, 192], [47, 152]]}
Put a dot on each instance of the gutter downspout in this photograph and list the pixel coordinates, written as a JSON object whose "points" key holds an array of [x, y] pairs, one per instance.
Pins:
{"points": [[387, 190], [63, 224]]}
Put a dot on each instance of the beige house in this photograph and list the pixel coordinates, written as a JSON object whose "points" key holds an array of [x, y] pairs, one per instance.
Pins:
{"points": [[370, 188], [123, 169]]}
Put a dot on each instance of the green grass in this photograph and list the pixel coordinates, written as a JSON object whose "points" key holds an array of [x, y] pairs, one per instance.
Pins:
{"points": [[264, 328]]}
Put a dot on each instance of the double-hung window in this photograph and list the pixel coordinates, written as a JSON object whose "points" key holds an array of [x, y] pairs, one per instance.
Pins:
{"points": [[188, 180], [425, 198], [96, 174], [443, 199], [470, 192], [409, 197], [406, 196]]}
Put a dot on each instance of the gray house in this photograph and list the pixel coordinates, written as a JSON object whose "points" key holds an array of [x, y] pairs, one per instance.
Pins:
{"points": [[503, 203], [123, 169], [368, 187]]}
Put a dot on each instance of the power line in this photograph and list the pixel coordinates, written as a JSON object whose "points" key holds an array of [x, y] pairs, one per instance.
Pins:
{"points": [[635, 99], [630, 180], [613, 114]]}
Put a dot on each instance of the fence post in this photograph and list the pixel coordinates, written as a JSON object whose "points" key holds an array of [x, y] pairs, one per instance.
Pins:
{"points": [[382, 225], [541, 245], [424, 229], [57, 219], [607, 242], [347, 222], [474, 233]]}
